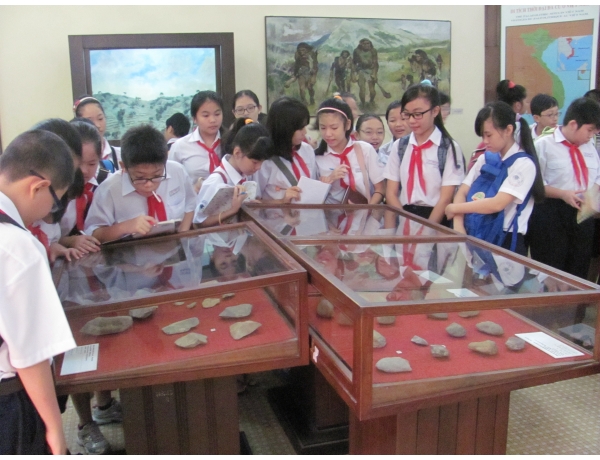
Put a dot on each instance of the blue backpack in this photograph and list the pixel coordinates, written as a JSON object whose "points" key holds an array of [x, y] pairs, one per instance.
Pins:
{"points": [[489, 227]]}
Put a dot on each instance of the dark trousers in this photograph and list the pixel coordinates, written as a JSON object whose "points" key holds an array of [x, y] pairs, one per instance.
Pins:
{"points": [[556, 239], [425, 212], [22, 431], [520, 248]]}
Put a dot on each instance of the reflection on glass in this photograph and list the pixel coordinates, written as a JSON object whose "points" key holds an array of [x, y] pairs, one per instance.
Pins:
{"points": [[351, 222], [412, 271], [146, 267]]}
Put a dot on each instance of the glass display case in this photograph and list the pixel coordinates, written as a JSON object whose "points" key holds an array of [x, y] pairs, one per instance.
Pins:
{"points": [[244, 306], [406, 316]]}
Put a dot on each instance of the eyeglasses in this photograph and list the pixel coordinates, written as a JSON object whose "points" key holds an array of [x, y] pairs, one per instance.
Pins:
{"points": [[242, 110], [144, 181], [57, 203], [551, 115], [415, 115]]}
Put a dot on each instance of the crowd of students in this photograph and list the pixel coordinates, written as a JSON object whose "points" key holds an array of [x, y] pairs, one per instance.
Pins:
{"points": [[72, 190]]}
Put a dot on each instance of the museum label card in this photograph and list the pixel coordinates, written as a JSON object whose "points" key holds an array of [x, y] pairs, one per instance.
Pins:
{"points": [[80, 359], [462, 292], [434, 277], [549, 345]]}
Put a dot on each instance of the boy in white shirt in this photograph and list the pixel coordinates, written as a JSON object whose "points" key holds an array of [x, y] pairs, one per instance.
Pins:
{"points": [[148, 189], [35, 170]]}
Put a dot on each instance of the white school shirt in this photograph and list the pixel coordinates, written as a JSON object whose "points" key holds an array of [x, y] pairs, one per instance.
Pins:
{"points": [[556, 166], [69, 219], [32, 320], [52, 231], [115, 200], [518, 182], [193, 157], [213, 184], [271, 182], [107, 153], [327, 162], [534, 135], [431, 171]]}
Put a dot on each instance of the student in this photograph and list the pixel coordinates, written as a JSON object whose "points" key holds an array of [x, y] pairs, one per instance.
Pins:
{"points": [[35, 171], [545, 113], [514, 95], [148, 189], [47, 231], [246, 105], [200, 151], [570, 166], [370, 129], [427, 186], [523, 185], [445, 106], [89, 107], [94, 173], [251, 146], [350, 99], [292, 158], [342, 162], [397, 126], [178, 126]]}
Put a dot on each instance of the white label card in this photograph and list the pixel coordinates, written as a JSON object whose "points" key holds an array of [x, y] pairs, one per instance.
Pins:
{"points": [[462, 292], [549, 345], [80, 359]]}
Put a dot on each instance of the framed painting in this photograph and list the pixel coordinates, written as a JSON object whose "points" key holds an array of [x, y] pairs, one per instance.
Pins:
{"points": [[374, 59], [147, 78]]}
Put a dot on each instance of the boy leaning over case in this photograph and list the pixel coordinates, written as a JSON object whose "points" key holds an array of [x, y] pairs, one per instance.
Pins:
{"points": [[35, 171]]}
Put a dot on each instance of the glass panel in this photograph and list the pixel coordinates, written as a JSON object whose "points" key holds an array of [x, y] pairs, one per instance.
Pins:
{"points": [[333, 326], [147, 267], [334, 222], [413, 271]]}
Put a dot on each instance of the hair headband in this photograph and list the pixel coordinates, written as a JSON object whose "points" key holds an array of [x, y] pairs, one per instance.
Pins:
{"points": [[79, 101], [334, 109], [511, 84]]}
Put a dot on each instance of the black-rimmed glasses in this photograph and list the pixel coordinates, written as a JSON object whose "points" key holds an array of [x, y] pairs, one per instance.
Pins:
{"points": [[144, 181], [415, 115], [57, 203]]}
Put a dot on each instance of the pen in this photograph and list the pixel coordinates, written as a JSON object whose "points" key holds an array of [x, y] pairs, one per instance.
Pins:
{"points": [[156, 196]]}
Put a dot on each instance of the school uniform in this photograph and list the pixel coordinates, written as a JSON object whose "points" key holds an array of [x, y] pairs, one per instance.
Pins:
{"points": [[70, 221], [195, 158], [171, 141], [33, 328], [116, 200], [421, 200], [534, 135], [272, 183], [45, 233], [223, 177], [518, 183], [107, 154], [555, 237], [327, 162]]}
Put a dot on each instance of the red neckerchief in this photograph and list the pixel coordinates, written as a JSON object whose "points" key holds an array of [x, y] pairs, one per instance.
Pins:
{"points": [[344, 161], [297, 158], [579, 166], [156, 208], [82, 204], [416, 168], [213, 158]]}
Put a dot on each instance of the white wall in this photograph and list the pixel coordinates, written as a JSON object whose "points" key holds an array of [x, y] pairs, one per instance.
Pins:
{"points": [[35, 76]]}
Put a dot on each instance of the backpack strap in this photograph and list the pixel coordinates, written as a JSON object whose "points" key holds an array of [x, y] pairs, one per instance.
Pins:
{"points": [[108, 165], [514, 224], [363, 168], [113, 154], [102, 175], [402, 145], [286, 171], [442, 151], [222, 175]]}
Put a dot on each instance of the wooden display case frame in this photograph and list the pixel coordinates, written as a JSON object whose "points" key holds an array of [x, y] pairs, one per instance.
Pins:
{"points": [[356, 386]]}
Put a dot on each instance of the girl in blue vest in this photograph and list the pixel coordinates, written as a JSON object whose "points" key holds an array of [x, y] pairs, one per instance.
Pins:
{"points": [[522, 185]]}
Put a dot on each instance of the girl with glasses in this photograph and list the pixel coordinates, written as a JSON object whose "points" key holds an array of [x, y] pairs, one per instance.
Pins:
{"points": [[425, 167], [246, 105]]}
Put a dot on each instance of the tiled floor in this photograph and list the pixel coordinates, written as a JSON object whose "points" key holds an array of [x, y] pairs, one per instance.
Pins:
{"points": [[560, 418]]}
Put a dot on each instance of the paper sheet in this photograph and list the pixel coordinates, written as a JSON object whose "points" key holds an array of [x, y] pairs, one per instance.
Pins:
{"points": [[313, 191], [80, 359], [549, 345], [462, 292]]}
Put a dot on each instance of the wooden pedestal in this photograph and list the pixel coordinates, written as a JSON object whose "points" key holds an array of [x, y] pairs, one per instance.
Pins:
{"points": [[198, 417], [476, 426]]}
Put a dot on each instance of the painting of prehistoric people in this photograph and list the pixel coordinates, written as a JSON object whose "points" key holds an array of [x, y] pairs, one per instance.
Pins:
{"points": [[149, 85], [374, 59]]}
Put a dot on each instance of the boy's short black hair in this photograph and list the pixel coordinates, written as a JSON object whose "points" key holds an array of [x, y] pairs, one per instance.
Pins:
{"points": [[444, 98], [143, 144], [542, 102], [593, 94], [584, 111], [180, 124], [42, 152]]}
